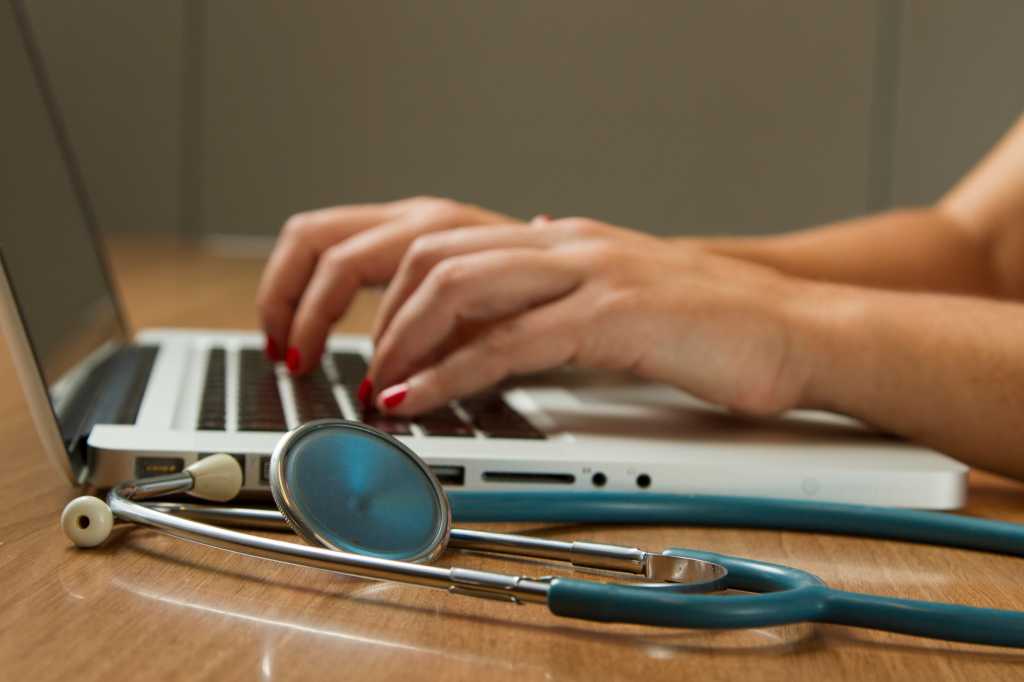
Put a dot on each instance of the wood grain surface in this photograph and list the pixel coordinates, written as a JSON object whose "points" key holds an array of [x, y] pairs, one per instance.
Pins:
{"points": [[147, 607]]}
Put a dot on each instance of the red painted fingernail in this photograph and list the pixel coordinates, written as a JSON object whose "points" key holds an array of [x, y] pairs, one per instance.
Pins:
{"points": [[365, 389], [291, 358], [272, 351], [394, 395], [541, 218]]}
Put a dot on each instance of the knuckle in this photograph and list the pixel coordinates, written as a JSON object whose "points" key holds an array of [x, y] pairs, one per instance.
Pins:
{"points": [[438, 209], [449, 276], [298, 225], [581, 228], [424, 252], [336, 256], [596, 255]]}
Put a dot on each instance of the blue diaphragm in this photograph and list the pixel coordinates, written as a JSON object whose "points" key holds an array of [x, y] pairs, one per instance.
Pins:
{"points": [[358, 490]]}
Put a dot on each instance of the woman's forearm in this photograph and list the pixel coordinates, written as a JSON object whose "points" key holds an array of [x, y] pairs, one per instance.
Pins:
{"points": [[971, 241], [911, 249], [945, 371]]}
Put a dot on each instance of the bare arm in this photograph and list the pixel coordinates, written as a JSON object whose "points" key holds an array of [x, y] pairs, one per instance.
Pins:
{"points": [[943, 370], [971, 241]]}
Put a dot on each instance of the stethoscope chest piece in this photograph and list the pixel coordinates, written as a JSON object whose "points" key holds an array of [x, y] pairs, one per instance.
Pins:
{"points": [[342, 485]]}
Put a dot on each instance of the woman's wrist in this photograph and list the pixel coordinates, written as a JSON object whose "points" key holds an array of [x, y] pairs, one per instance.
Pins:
{"points": [[831, 353]]}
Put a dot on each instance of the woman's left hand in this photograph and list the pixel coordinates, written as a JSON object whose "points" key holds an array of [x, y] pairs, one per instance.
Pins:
{"points": [[580, 292]]}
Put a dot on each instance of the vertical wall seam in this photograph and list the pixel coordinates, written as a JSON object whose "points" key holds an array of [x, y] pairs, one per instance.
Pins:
{"points": [[884, 106], [190, 183]]}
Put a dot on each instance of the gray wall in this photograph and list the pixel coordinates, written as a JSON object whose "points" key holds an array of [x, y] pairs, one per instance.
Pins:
{"points": [[225, 117], [117, 71], [961, 85]]}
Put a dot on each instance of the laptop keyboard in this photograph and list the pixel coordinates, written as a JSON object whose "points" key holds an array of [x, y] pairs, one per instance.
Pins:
{"points": [[214, 402], [259, 402], [260, 407]]}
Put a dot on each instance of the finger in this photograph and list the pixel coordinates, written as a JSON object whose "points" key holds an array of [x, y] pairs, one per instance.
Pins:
{"points": [[369, 257], [538, 339], [296, 252], [429, 250], [480, 286]]}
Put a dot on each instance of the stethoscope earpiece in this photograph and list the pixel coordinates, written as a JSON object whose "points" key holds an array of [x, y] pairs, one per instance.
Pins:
{"points": [[87, 521]]}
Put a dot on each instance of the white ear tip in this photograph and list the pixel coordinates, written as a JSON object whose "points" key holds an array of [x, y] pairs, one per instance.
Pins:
{"points": [[87, 521], [217, 477]]}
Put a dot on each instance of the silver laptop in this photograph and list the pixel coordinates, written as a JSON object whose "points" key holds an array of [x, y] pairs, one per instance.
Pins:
{"points": [[110, 404]]}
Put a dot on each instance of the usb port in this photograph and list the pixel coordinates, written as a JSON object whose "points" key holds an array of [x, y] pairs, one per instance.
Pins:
{"points": [[265, 470], [527, 477], [157, 466], [449, 475]]}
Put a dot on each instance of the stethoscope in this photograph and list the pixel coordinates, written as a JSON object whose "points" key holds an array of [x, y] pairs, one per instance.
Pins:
{"points": [[369, 507]]}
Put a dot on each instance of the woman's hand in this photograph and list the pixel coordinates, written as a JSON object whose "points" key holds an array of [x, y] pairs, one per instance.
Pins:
{"points": [[322, 258], [581, 292]]}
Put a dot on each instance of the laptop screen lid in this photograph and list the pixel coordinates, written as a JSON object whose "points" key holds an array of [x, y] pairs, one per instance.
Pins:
{"points": [[60, 311]]}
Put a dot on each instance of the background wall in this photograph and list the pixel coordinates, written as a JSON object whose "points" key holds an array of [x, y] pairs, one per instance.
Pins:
{"points": [[742, 117]]}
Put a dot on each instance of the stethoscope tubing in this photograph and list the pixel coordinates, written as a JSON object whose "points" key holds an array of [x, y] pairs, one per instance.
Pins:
{"points": [[909, 525], [786, 595]]}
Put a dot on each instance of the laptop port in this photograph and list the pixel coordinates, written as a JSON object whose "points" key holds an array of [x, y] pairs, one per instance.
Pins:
{"points": [[599, 479], [643, 481], [527, 477], [449, 475], [157, 466]]}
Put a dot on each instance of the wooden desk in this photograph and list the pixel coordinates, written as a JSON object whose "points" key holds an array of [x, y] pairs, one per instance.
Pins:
{"points": [[150, 607]]}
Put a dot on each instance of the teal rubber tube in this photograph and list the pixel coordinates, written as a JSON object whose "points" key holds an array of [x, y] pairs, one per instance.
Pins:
{"points": [[789, 595], [934, 528]]}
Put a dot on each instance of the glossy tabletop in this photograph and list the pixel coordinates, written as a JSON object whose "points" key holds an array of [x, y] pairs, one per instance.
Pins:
{"points": [[147, 606]]}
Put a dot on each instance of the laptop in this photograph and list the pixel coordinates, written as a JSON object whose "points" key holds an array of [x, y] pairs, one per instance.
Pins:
{"points": [[112, 404]]}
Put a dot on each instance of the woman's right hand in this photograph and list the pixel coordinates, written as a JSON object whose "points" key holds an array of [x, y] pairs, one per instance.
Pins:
{"points": [[323, 257]]}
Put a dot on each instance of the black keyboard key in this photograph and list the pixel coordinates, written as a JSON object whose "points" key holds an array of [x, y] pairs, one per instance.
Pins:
{"points": [[444, 422], [314, 397], [351, 368], [259, 403], [492, 415], [212, 408]]}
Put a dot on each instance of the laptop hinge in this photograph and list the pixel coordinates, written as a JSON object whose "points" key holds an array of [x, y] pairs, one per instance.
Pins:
{"points": [[110, 393]]}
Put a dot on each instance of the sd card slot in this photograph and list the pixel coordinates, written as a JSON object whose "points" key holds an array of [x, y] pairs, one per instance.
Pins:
{"points": [[528, 477]]}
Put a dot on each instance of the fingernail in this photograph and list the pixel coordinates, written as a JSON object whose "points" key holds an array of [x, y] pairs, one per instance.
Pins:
{"points": [[291, 358], [365, 389], [391, 397], [272, 351], [541, 218]]}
